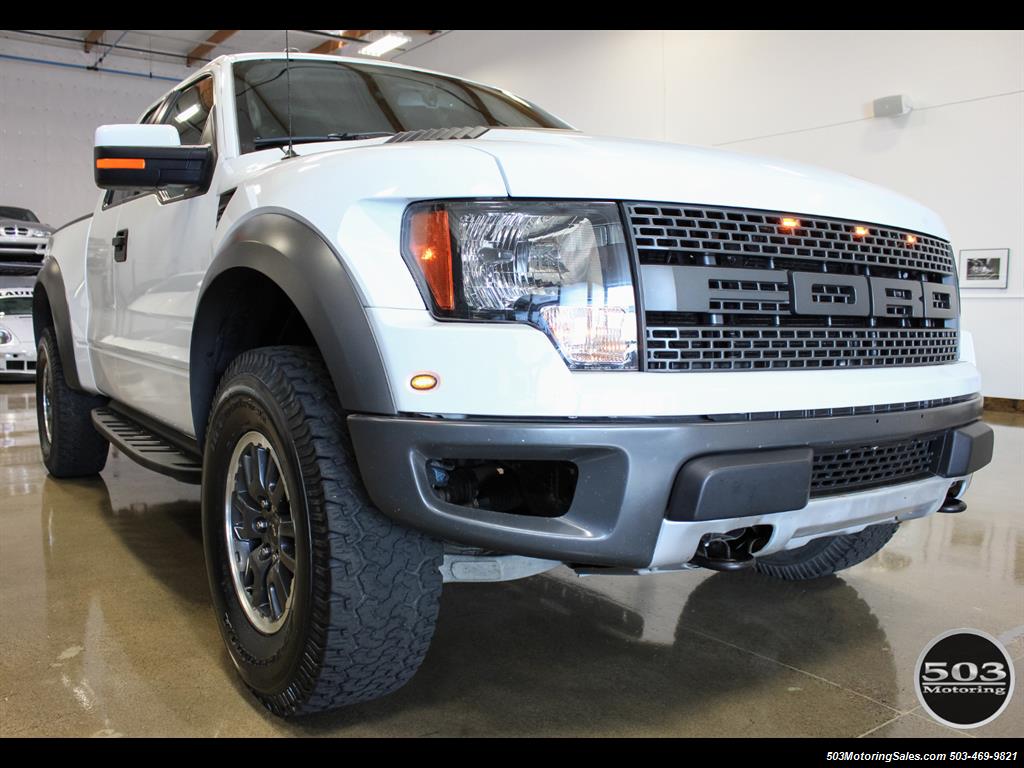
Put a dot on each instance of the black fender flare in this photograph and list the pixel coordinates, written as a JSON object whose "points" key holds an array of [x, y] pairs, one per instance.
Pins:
{"points": [[292, 254], [50, 308]]}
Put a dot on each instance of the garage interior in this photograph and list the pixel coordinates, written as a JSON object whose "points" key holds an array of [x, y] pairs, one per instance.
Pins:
{"points": [[105, 617]]}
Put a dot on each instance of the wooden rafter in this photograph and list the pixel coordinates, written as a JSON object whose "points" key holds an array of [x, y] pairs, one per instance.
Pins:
{"points": [[94, 36], [330, 46], [212, 42]]}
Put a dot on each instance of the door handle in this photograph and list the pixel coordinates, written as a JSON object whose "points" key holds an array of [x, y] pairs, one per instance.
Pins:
{"points": [[120, 243]]}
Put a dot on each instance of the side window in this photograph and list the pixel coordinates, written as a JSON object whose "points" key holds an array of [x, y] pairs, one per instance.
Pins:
{"points": [[150, 117], [190, 113]]}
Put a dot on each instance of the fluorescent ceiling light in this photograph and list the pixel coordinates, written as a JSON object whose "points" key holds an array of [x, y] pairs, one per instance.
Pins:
{"points": [[190, 112], [387, 43]]}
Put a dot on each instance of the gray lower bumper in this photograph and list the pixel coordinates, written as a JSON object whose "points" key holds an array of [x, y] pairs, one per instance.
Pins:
{"points": [[627, 471]]}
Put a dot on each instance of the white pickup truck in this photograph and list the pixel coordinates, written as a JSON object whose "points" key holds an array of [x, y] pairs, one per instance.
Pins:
{"points": [[406, 329]]}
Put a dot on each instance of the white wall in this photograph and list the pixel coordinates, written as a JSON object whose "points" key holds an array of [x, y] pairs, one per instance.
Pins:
{"points": [[47, 118], [806, 96]]}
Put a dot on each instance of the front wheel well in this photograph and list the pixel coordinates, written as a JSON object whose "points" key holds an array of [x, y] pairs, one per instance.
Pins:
{"points": [[242, 309], [42, 315]]}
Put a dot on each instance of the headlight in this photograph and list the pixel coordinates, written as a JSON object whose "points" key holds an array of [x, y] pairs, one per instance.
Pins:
{"points": [[38, 233], [6, 337], [560, 266]]}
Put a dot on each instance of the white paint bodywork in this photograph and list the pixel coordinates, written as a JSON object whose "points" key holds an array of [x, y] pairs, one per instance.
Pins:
{"points": [[136, 135], [132, 331]]}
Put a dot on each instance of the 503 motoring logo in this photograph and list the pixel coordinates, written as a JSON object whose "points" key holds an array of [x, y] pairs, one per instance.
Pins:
{"points": [[964, 678]]}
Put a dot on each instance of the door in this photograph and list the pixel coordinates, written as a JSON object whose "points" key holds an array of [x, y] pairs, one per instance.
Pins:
{"points": [[165, 239]]}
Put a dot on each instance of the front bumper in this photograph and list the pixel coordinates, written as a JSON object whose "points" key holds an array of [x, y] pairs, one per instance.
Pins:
{"points": [[22, 255], [619, 515], [23, 246], [17, 360]]}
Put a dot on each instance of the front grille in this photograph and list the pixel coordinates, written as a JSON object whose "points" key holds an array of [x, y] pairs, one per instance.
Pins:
{"points": [[733, 349], [11, 230], [733, 289], [18, 365], [676, 234], [871, 466], [15, 247]]}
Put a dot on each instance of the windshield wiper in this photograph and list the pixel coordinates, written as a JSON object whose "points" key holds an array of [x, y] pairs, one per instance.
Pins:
{"points": [[279, 141]]}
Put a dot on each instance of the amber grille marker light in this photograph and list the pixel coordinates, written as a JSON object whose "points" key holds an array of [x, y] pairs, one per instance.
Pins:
{"points": [[430, 245], [121, 163]]}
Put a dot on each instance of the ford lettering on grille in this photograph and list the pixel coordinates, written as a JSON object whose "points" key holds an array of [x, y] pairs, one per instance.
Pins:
{"points": [[779, 292], [736, 289]]}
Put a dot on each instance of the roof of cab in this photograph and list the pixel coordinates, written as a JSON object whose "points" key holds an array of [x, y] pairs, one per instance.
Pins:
{"points": [[230, 58]]}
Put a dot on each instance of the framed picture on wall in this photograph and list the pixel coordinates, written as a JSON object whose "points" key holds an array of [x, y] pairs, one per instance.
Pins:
{"points": [[984, 267]]}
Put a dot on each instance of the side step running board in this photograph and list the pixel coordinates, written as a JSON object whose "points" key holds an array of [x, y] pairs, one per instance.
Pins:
{"points": [[145, 447]]}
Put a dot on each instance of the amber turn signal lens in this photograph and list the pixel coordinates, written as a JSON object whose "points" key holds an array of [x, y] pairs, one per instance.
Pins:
{"points": [[789, 222], [423, 381], [430, 245], [121, 163]]}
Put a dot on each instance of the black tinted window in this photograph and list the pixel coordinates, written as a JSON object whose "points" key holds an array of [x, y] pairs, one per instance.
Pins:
{"points": [[328, 97], [15, 305], [18, 214]]}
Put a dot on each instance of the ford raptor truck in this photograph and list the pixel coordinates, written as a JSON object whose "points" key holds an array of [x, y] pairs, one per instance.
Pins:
{"points": [[407, 329]]}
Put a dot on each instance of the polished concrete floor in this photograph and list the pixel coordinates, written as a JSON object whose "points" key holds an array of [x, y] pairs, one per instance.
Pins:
{"points": [[106, 629]]}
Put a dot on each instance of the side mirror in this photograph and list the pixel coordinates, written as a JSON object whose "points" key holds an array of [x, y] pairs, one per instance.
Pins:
{"points": [[148, 157]]}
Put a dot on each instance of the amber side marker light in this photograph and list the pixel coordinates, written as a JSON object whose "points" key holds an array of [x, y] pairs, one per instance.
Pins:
{"points": [[423, 381], [430, 244], [121, 163], [788, 222]]}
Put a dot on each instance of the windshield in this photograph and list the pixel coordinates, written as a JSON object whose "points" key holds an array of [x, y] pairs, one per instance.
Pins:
{"points": [[343, 99], [15, 305], [18, 214]]}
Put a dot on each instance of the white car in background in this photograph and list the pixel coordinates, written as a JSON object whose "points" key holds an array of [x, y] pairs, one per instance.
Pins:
{"points": [[17, 339]]}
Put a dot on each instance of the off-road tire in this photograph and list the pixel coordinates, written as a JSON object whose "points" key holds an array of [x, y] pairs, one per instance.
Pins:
{"points": [[73, 447], [365, 589], [827, 555]]}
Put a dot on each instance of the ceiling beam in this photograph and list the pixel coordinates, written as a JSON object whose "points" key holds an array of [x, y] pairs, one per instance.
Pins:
{"points": [[212, 42], [92, 38], [330, 46]]}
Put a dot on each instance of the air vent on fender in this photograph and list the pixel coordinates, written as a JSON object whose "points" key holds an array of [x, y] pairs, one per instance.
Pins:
{"points": [[222, 203]]}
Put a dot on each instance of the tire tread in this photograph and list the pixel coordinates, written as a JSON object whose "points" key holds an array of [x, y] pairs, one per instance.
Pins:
{"points": [[78, 449], [376, 584], [826, 556]]}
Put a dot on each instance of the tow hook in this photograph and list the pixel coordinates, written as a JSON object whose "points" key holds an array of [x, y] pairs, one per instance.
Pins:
{"points": [[952, 505], [732, 551]]}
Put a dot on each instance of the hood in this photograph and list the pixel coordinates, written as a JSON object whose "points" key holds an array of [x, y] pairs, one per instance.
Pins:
{"points": [[549, 163]]}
